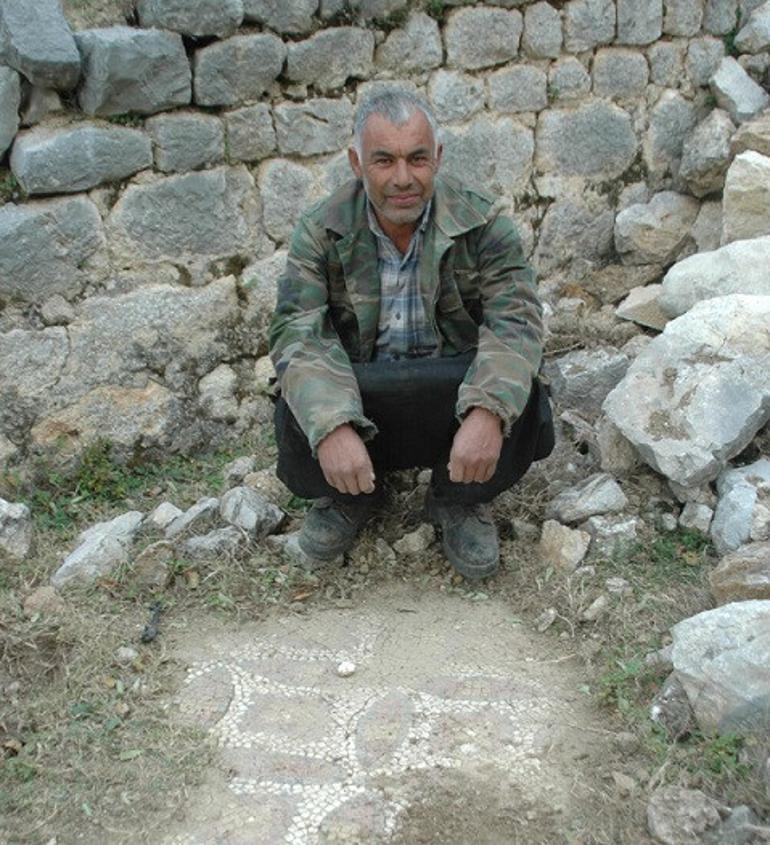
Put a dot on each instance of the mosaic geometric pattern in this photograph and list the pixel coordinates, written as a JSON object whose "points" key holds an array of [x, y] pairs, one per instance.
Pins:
{"points": [[316, 758]]}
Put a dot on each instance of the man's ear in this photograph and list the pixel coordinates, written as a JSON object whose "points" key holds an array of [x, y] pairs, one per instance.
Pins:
{"points": [[355, 162], [439, 154]]}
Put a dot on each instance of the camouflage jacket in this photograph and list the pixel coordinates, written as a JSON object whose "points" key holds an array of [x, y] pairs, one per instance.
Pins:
{"points": [[474, 280]]}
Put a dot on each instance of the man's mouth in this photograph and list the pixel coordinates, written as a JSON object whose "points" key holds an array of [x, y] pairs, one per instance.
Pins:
{"points": [[404, 199]]}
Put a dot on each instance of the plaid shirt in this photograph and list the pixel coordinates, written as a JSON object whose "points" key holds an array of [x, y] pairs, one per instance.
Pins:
{"points": [[404, 329]]}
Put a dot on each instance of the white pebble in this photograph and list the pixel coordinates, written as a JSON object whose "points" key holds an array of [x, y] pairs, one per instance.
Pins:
{"points": [[346, 669]]}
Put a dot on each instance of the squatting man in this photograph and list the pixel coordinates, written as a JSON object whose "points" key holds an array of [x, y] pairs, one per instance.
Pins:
{"points": [[407, 333]]}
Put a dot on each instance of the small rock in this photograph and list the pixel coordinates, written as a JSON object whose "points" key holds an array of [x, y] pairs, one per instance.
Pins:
{"points": [[598, 494], [743, 574], [584, 572], [416, 541], [268, 485], [561, 547], [696, 517], [215, 544], [15, 530], [43, 601], [624, 784], [679, 816], [385, 553], [596, 609], [162, 516], [546, 619], [246, 509], [151, 568], [200, 516], [237, 470], [346, 669], [617, 586], [668, 522], [671, 708], [126, 655]]}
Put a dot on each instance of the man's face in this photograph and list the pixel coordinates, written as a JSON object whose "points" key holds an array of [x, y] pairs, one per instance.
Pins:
{"points": [[397, 166]]}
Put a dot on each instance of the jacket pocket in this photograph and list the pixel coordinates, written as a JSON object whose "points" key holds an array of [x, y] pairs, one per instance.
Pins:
{"points": [[456, 325]]}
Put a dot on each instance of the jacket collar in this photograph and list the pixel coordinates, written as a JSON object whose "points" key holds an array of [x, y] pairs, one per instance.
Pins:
{"points": [[453, 212]]}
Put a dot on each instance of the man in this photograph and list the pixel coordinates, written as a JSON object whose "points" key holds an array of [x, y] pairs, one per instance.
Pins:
{"points": [[407, 333]]}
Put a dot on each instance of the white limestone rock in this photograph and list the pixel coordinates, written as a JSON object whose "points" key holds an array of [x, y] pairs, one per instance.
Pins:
{"points": [[186, 140], [65, 161], [542, 36], [199, 517], [482, 37], [738, 267], [576, 230], [218, 543], [704, 56], [611, 534], [217, 393], [36, 40], [132, 70], [743, 510], [722, 658], [642, 306], [598, 494], [162, 516], [582, 379], [237, 69], [639, 21], [568, 80], [455, 96], [10, 100], [616, 455], [246, 509], [414, 49], [746, 198], [742, 575], [250, 133], [699, 392], [736, 92], [707, 231], [754, 135], [561, 547], [415, 542], [666, 60], [293, 17], [754, 34], [682, 17], [260, 285], [286, 188], [706, 154], [313, 127], [192, 17], [656, 232], [696, 517], [520, 88], [672, 120], [720, 16], [15, 531], [329, 58], [620, 73], [587, 24], [679, 816]]}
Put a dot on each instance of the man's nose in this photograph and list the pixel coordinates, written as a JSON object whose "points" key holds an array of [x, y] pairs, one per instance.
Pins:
{"points": [[402, 174]]}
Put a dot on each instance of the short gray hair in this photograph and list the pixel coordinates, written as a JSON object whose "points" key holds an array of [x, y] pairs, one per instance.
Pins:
{"points": [[397, 105]]}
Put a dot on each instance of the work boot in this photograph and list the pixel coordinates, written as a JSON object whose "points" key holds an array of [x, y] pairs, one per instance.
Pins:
{"points": [[330, 527], [469, 536]]}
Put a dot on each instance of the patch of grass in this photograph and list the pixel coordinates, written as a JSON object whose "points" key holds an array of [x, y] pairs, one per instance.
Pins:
{"points": [[437, 9], [9, 187], [128, 119]]}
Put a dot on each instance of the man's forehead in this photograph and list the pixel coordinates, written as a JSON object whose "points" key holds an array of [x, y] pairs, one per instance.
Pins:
{"points": [[415, 133]]}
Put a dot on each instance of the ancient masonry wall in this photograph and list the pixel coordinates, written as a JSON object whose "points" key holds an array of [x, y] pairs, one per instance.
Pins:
{"points": [[156, 171]]}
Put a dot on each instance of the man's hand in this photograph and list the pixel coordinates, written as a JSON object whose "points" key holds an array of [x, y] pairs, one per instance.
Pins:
{"points": [[476, 447], [345, 462]]}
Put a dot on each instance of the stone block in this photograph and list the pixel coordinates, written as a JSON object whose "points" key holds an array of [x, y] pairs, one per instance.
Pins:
{"points": [[616, 455], [742, 575], [369, 10], [250, 133], [706, 154], [520, 88], [698, 393], [667, 62], [65, 161], [415, 48], [598, 494], [455, 96], [707, 231], [190, 220], [292, 17], [237, 69], [587, 24], [752, 135], [331, 57], [581, 380], [602, 141], [696, 517], [642, 306], [656, 232], [313, 127], [682, 17], [15, 531], [720, 16], [286, 188], [10, 100], [568, 80], [619, 73], [735, 268], [38, 104], [746, 198], [639, 21], [561, 547], [36, 40], [672, 119], [754, 34], [575, 229], [743, 510], [192, 17], [736, 92], [132, 70], [217, 391], [260, 285], [186, 141], [704, 56], [46, 248], [506, 165], [542, 36], [482, 37]]}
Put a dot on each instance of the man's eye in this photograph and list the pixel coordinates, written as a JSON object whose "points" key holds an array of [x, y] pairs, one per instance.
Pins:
{"points": [[420, 159]]}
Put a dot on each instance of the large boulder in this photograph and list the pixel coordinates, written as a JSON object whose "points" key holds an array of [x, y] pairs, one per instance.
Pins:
{"points": [[413, 49], [746, 200], [698, 393], [238, 69], [722, 658], [186, 140], [754, 34], [192, 17], [706, 154], [743, 574], [65, 161], [658, 231], [36, 40], [197, 221], [10, 100], [739, 267], [639, 21], [49, 247], [293, 17], [482, 37], [313, 127], [132, 70]]}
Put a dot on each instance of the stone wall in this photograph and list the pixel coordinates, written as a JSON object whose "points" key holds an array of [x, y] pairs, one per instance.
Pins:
{"points": [[157, 169]]}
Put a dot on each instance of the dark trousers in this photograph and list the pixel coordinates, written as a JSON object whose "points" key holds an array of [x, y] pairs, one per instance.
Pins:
{"points": [[412, 403]]}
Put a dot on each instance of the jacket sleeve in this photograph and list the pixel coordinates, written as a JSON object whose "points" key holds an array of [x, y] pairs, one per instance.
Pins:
{"points": [[313, 369], [510, 336]]}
